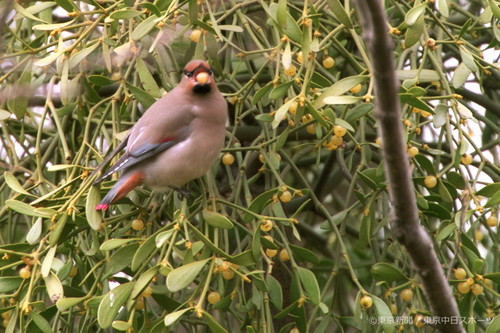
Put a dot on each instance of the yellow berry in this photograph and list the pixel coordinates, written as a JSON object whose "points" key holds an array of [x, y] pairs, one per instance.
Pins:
{"points": [[293, 107], [425, 113], [335, 140], [477, 289], [213, 297], [307, 118], [228, 275], [137, 225], [466, 159], [492, 221], [195, 35], [228, 158], [463, 287], [294, 330], [470, 281], [300, 58], [25, 272], [271, 252], [339, 130], [291, 71], [284, 256], [261, 158], [147, 292], [478, 235], [407, 295], [139, 304], [366, 302], [460, 273], [356, 89], [378, 141], [416, 110], [328, 62], [418, 320], [73, 271], [269, 238], [266, 225], [394, 308], [488, 283], [6, 314], [412, 151], [5, 323], [430, 181], [311, 129], [286, 196]]}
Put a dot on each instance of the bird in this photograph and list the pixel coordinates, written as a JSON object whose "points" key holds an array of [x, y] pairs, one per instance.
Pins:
{"points": [[175, 141]]}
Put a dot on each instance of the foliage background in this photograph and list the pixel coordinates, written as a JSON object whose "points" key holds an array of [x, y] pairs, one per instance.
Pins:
{"points": [[76, 74]]}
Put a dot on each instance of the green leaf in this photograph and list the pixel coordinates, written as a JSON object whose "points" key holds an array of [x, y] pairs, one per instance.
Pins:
{"points": [[213, 324], [339, 88], [112, 302], [424, 75], [281, 13], [494, 325], [383, 312], [125, 14], [446, 231], [174, 316], [495, 9], [415, 13], [460, 75], [386, 272], [414, 32], [442, 6], [342, 100], [143, 28], [494, 201], [340, 13], [262, 92], [9, 283], [144, 251], [281, 113], [112, 244], [495, 277], [425, 164], [217, 220], [489, 190], [120, 259], [147, 80], [358, 112], [141, 96], [143, 281], [440, 115], [54, 287], [23, 208], [14, 184], [207, 241], [275, 291], [468, 59], [183, 276], [41, 322], [280, 91], [64, 304], [243, 259], [121, 325], [304, 255], [66, 4], [75, 59], [94, 217], [310, 284], [100, 80], [47, 261], [33, 235]]}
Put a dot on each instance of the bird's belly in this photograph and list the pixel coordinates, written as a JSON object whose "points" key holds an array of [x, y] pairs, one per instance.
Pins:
{"points": [[178, 165]]}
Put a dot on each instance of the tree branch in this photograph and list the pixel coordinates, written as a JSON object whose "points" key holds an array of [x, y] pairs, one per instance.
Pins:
{"points": [[405, 221]]}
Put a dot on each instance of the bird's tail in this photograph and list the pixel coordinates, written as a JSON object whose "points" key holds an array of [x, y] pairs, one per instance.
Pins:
{"points": [[125, 184]]}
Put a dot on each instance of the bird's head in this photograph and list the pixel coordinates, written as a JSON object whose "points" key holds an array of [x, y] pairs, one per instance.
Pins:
{"points": [[199, 76]]}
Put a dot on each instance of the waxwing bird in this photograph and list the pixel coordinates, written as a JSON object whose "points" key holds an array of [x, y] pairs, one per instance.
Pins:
{"points": [[176, 140]]}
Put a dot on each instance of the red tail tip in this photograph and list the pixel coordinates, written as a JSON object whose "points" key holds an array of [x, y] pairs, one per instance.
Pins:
{"points": [[102, 207]]}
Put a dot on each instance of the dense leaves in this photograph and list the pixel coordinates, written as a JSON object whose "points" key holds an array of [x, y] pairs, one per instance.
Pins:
{"points": [[295, 230]]}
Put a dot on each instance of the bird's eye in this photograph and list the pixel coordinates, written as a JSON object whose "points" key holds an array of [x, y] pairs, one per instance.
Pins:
{"points": [[210, 72], [188, 74]]}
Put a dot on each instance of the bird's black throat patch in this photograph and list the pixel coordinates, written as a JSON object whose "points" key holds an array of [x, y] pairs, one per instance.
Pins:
{"points": [[201, 89]]}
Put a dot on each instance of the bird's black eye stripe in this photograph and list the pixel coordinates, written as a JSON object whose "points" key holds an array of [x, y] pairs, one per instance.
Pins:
{"points": [[188, 74]]}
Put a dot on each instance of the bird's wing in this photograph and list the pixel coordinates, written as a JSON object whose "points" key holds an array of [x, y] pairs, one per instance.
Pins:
{"points": [[108, 158]]}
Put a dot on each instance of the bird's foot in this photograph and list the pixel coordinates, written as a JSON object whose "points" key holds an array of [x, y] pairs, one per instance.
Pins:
{"points": [[183, 193]]}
